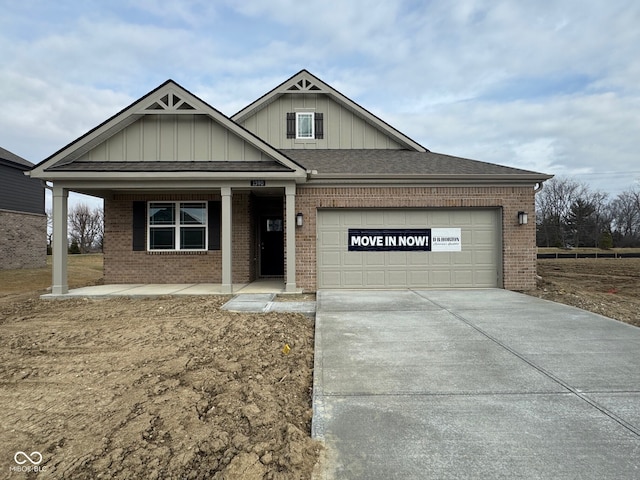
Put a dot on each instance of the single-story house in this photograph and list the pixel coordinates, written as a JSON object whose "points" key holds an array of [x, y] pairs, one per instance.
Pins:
{"points": [[302, 184], [23, 223]]}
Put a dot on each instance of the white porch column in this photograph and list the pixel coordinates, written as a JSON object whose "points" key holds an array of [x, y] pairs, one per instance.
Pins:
{"points": [[60, 284], [227, 258], [290, 192]]}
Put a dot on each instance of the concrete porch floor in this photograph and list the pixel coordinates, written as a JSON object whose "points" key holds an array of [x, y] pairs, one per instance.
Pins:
{"points": [[263, 285]]}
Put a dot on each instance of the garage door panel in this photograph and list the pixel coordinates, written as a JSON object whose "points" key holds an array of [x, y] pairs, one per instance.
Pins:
{"points": [[331, 278], [440, 258], [441, 277], [418, 277], [375, 278], [462, 218], [330, 238], [373, 259], [482, 237], [484, 258], [484, 276], [463, 258], [353, 279], [353, 258], [396, 278], [463, 278], [330, 259], [374, 219], [476, 265], [395, 219], [417, 218], [397, 259]]}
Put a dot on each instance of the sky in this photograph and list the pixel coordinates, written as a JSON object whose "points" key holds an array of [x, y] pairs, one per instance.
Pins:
{"points": [[545, 85]]}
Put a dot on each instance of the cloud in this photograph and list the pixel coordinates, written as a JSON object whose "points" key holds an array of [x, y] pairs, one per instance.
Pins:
{"points": [[537, 85]]}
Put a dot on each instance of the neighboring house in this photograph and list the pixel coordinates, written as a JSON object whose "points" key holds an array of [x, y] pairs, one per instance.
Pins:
{"points": [[23, 223], [303, 184]]}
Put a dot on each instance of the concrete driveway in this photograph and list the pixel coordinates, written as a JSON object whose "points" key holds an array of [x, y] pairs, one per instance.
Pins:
{"points": [[472, 384]]}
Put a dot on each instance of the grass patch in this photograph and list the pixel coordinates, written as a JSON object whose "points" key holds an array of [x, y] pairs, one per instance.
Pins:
{"points": [[82, 270]]}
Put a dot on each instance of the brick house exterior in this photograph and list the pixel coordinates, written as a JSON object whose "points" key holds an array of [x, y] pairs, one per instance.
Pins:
{"points": [[286, 188], [23, 223]]}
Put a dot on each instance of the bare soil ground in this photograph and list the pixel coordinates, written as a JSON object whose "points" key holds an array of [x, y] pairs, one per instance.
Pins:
{"points": [[151, 388], [177, 388], [610, 287]]}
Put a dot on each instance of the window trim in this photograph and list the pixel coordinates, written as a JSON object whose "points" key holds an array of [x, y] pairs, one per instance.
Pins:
{"points": [[313, 119], [177, 225]]}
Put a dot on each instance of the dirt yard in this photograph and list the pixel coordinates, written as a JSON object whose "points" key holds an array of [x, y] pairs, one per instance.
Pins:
{"points": [[610, 287], [176, 388], [154, 388]]}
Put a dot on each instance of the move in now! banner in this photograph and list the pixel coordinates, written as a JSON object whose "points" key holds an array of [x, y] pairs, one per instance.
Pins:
{"points": [[405, 240]]}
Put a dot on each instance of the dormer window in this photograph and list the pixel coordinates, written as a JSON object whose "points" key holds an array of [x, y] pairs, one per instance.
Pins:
{"points": [[304, 125]]}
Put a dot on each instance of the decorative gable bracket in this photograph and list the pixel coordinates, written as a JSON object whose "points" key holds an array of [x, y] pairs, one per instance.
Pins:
{"points": [[303, 85], [170, 103]]}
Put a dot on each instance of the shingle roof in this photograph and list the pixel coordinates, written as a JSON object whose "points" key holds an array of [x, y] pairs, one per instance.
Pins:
{"points": [[396, 162], [12, 157]]}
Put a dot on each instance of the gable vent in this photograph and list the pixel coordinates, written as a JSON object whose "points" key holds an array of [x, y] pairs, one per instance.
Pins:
{"points": [[170, 102], [304, 85]]}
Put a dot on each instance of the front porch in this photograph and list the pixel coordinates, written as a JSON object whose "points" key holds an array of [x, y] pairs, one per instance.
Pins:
{"points": [[263, 285]]}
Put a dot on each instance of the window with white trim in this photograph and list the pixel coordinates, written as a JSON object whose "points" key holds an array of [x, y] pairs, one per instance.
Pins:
{"points": [[177, 226], [304, 125]]}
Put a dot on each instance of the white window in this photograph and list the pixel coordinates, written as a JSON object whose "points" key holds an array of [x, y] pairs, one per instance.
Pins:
{"points": [[304, 125], [177, 226]]}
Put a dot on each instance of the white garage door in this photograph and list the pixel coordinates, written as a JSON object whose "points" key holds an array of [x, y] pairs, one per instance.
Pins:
{"points": [[476, 263]]}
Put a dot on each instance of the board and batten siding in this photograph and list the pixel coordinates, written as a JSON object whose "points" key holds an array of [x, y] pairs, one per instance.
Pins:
{"points": [[174, 138], [342, 128]]}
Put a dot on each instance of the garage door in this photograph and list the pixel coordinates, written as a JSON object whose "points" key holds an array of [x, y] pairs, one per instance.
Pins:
{"points": [[386, 248]]}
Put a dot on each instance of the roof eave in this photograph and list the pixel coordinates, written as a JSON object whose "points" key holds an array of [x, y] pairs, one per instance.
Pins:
{"points": [[431, 179], [191, 175]]}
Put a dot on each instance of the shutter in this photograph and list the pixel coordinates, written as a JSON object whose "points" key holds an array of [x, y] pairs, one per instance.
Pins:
{"points": [[214, 220], [291, 125], [319, 127], [139, 226]]}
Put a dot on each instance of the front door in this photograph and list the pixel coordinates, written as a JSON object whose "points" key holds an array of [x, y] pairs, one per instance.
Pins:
{"points": [[271, 246]]}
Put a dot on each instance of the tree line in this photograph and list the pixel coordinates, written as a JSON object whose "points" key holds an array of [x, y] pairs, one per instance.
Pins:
{"points": [[571, 214], [85, 228]]}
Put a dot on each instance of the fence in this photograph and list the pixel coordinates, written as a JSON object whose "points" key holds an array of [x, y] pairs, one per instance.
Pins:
{"points": [[589, 255]]}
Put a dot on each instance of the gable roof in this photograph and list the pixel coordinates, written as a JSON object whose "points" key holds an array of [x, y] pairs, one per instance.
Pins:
{"points": [[303, 83], [168, 98], [11, 157]]}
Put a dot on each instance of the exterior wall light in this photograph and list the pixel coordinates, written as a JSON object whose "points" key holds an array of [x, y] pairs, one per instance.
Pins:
{"points": [[299, 219], [523, 218]]}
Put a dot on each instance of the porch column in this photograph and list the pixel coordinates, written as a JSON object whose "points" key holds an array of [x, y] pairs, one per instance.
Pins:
{"points": [[59, 250], [290, 191], [227, 259]]}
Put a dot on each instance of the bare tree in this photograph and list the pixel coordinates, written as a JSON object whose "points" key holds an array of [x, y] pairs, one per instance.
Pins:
{"points": [[626, 218], [553, 206], [49, 213], [86, 227]]}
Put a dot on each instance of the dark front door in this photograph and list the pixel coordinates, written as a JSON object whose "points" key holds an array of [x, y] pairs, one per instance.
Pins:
{"points": [[271, 246]]}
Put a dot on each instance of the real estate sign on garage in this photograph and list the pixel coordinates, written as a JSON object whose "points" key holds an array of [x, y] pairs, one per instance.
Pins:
{"points": [[405, 240]]}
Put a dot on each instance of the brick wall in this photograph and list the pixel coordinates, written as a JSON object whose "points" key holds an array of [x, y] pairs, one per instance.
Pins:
{"points": [[123, 265], [518, 242], [23, 240]]}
